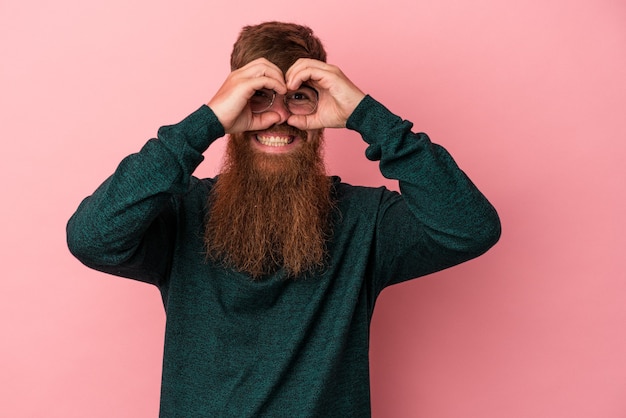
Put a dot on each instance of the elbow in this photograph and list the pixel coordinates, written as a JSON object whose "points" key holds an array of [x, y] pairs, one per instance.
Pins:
{"points": [[80, 245], [473, 236], [487, 232], [86, 245]]}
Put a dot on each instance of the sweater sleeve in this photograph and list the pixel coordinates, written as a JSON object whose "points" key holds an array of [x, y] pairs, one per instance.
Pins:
{"points": [[439, 219], [126, 226]]}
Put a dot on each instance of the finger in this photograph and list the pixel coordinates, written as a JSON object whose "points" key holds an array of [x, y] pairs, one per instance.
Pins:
{"points": [[304, 122], [264, 82], [302, 63], [262, 69], [316, 77], [308, 70], [234, 95], [263, 121]]}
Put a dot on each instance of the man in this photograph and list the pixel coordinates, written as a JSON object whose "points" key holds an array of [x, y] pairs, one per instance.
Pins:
{"points": [[269, 273]]}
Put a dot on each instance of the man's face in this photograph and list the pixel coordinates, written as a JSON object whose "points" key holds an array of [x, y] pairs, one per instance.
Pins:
{"points": [[280, 138]]}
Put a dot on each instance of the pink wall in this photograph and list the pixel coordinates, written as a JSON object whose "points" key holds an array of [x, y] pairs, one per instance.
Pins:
{"points": [[528, 96]]}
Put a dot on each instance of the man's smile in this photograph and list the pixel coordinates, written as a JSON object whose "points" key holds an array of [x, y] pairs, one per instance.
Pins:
{"points": [[275, 140], [278, 140]]}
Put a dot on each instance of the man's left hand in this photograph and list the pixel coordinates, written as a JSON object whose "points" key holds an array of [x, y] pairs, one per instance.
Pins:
{"points": [[338, 96]]}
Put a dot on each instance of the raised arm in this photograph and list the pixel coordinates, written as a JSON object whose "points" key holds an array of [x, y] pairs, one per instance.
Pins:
{"points": [[126, 227], [440, 219], [107, 230]]}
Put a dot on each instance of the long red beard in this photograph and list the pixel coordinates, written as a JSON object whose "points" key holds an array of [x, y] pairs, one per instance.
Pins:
{"points": [[270, 211]]}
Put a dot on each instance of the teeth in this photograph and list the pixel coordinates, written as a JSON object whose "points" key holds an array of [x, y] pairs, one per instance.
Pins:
{"points": [[273, 141]]}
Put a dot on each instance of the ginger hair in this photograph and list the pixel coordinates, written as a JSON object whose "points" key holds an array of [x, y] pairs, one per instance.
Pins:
{"points": [[280, 43]]}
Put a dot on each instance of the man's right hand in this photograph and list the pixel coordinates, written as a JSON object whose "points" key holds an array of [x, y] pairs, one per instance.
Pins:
{"points": [[230, 103]]}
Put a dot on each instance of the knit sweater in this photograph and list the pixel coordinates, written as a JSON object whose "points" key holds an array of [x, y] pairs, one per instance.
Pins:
{"points": [[276, 347]]}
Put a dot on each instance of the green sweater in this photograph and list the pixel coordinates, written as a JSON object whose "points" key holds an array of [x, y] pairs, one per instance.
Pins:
{"points": [[278, 348]]}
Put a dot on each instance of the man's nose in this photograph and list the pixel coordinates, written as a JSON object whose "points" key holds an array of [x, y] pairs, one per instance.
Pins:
{"points": [[279, 107]]}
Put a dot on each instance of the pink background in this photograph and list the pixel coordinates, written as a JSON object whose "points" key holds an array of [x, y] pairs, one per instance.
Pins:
{"points": [[529, 97]]}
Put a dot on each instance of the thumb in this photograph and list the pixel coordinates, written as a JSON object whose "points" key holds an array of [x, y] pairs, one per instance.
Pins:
{"points": [[303, 122], [264, 120]]}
